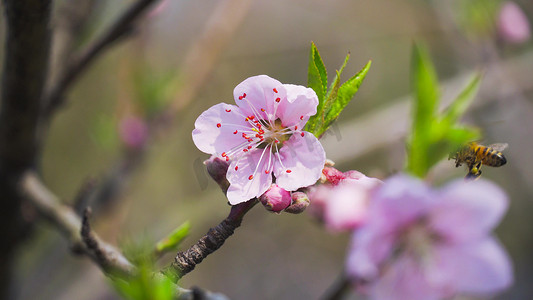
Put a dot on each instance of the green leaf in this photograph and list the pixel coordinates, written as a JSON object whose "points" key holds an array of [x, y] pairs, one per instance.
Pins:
{"points": [[317, 76], [345, 94], [425, 87], [461, 103], [173, 240], [426, 100], [317, 79], [435, 135]]}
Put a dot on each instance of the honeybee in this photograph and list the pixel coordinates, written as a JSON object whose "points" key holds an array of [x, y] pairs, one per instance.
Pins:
{"points": [[475, 155]]}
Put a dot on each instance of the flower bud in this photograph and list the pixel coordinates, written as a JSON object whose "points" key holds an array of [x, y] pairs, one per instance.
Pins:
{"points": [[275, 199], [133, 132], [513, 25], [333, 175], [217, 169], [300, 202]]}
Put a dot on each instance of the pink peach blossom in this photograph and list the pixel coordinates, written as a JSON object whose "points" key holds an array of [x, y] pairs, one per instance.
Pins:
{"points": [[342, 202], [513, 24], [262, 136], [420, 243]]}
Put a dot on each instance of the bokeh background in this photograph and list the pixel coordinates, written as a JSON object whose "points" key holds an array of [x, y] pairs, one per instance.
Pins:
{"points": [[188, 55]]}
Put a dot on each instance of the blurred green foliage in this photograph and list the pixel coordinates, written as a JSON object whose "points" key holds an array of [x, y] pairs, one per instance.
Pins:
{"points": [[153, 90], [174, 239], [330, 102], [434, 135]]}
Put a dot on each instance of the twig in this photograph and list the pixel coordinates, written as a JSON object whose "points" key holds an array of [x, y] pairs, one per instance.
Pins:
{"points": [[119, 29], [65, 220], [338, 289], [70, 23], [186, 261]]}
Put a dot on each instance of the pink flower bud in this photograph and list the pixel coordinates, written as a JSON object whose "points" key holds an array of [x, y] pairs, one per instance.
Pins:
{"points": [[217, 169], [300, 202], [275, 199], [513, 25], [333, 175], [133, 132]]}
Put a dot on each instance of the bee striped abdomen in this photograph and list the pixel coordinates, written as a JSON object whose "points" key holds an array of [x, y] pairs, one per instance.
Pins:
{"points": [[494, 158]]}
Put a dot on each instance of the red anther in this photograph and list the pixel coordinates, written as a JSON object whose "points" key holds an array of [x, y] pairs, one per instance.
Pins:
{"points": [[244, 135], [257, 135], [244, 95], [223, 154], [301, 117], [227, 158], [235, 132], [302, 134], [240, 97], [295, 127], [249, 147], [250, 140], [288, 171], [262, 109], [218, 125], [251, 177], [251, 117], [245, 150], [236, 168], [228, 110], [275, 91], [267, 171], [278, 99]]}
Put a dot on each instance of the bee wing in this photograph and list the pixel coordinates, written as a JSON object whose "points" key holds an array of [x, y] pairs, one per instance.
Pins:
{"points": [[499, 146]]}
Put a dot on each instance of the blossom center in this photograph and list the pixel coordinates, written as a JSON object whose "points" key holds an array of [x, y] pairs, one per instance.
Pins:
{"points": [[417, 240], [275, 134]]}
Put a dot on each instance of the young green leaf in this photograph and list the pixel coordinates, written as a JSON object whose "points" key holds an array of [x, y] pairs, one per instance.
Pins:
{"points": [[344, 94], [435, 135], [461, 103], [173, 240], [425, 87], [317, 79]]}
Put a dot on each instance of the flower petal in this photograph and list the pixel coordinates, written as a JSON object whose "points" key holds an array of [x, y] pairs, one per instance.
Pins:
{"points": [[249, 176], [467, 210], [369, 248], [404, 279], [256, 96], [400, 200], [479, 267], [346, 208], [299, 162], [214, 131], [300, 105]]}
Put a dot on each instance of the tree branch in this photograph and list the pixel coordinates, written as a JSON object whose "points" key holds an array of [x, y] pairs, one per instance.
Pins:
{"points": [[122, 26], [186, 261], [24, 76], [65, 220]]}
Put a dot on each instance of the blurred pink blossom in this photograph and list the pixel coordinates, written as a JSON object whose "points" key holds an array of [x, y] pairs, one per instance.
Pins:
{"points": [[342, 202], [133, 131], [275, 199], [158, 9], [513, 24], [422, 244], [262, 136]]}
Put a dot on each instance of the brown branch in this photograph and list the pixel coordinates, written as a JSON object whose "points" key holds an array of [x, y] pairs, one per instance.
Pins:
{"points": [[186, 261], [122, 26], [338, 289], [65, 220], [24, 75]]}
